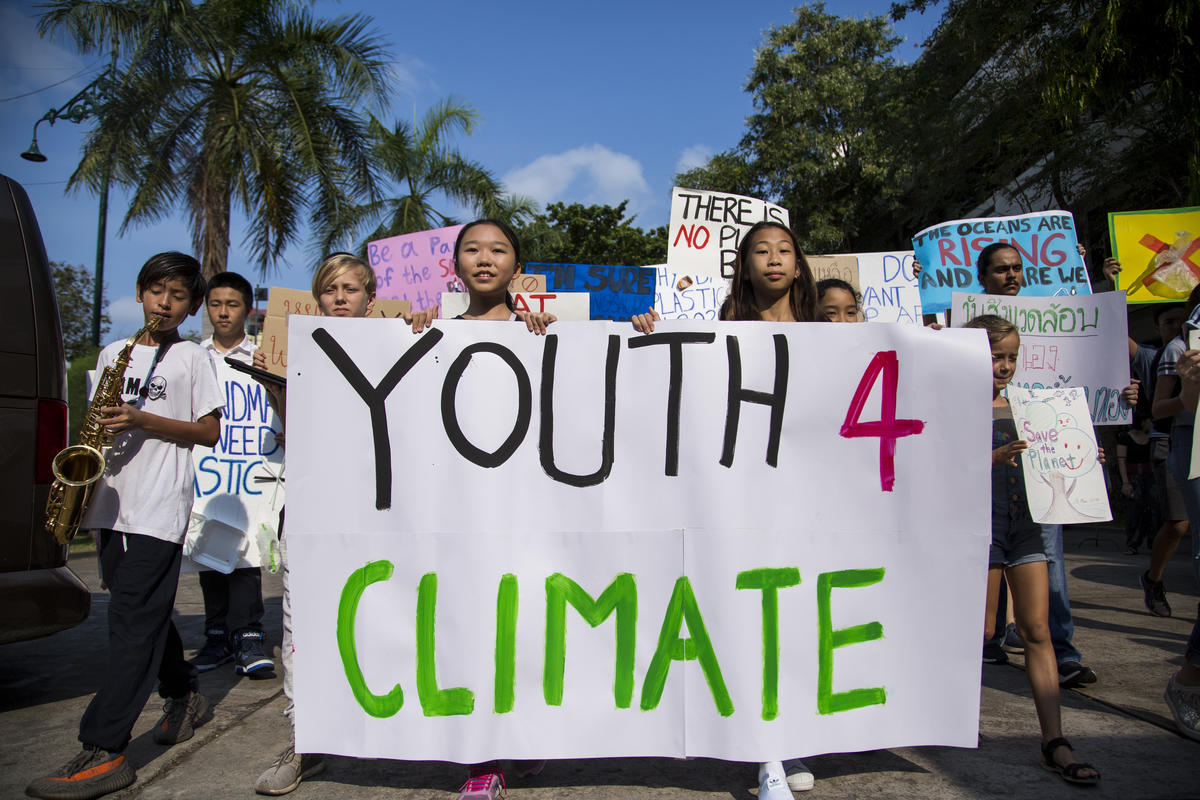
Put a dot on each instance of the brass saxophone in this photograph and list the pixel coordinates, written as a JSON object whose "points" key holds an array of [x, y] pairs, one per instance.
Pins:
{"points": [[78, 467]]}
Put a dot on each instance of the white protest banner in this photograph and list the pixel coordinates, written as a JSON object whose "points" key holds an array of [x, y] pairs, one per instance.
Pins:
{"points": [[1045, 240], [889, 287], [679, 296], [721, 562], [1063, 478], [239, 481], [1065, 341], [706, 228], [566, 306]]}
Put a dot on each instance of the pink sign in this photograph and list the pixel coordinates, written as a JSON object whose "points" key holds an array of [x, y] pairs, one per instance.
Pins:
{"points": [[416, 267]]}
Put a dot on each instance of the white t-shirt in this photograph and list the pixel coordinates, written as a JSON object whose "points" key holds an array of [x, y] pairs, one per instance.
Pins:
{"points": [[147, 484]]}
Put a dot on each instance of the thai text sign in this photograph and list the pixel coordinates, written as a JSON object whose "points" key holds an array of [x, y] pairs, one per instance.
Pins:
{"points": [[1046, 241], [1159, 253], [706, 228], [239, 481], [1065, 341], [722, 563], [1063, 477], [416, 267]]}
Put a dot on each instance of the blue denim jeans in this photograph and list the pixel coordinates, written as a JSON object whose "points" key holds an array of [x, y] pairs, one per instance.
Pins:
{"points": [[1062, 627], [1179, 462]]}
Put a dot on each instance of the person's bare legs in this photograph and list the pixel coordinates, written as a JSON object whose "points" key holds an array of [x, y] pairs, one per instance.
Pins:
{"points": [[1165, 544], [993, 600], [1031, 605]]}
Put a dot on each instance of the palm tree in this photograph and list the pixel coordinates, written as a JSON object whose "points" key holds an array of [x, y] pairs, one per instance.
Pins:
{"points": [[230, 101], [424, 168]]}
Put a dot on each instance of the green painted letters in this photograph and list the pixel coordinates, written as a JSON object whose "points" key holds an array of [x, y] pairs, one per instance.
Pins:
{"points": [[682, 607], [435, 702], [828, 639], [506, 644], [769, 581], [621, 595], [374, 704]]}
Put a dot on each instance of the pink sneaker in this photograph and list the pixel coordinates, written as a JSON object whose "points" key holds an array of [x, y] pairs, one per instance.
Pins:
{"points": [[485, 786]]}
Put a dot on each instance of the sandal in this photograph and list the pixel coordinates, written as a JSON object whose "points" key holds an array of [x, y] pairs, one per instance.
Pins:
{"points": [[1069, 773]]}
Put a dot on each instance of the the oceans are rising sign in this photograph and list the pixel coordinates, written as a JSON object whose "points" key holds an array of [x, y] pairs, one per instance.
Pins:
{"points": [[1065, 341], [723, 546], [1046, 241]]}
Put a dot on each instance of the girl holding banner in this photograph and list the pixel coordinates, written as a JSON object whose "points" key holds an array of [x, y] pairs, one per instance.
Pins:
{"points": [[1017, 550], [771, 282]]}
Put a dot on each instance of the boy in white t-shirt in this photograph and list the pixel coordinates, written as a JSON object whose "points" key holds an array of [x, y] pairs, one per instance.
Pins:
{"points": [[233, 603], [140, 506]]}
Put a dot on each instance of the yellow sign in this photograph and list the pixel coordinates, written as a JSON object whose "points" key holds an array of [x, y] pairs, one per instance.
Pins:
{"points": [[1159, 253]]}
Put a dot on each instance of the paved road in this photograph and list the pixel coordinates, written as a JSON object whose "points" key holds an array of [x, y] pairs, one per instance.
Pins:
{"points": [[1121, 723]]}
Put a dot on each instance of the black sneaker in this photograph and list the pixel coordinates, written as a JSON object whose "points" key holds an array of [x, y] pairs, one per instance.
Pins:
{"points": [[1013, 643], [92, 773], [250, 656], [993, 653], [1155, 595], [1072, 673], [181, 716], [216, 651]]}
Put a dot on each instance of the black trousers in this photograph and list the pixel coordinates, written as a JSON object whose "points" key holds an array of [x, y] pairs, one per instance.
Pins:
{"points": [[142, 574], [232, 602]]}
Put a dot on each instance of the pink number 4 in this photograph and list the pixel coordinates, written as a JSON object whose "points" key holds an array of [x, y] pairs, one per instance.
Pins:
{"points": [[887, 427]]}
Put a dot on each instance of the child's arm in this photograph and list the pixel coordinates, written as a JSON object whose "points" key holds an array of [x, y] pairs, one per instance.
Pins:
{"points": [[538, 321], [204, 431], [1008, 453]]}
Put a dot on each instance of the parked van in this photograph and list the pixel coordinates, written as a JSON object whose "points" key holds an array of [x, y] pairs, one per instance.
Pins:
{"points": [[39, 595]]}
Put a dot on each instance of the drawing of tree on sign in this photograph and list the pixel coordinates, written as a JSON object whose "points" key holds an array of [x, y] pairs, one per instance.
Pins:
{"points": [[1062, 477]]}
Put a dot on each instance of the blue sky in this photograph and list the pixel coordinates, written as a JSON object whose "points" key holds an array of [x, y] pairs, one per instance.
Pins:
{"points": [[590, 103]]}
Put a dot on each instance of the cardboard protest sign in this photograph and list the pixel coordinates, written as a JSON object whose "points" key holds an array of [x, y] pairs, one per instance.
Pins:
{"points": [[285, 302], [706, 228], [889, 287], [1159, 253], [684, 297], [1063, 477], [721, 564], [239, 481], [841, 267], [526, 283], [1078, 341], [1046, 241], [566, 306], [617, 292], [416, 267]]}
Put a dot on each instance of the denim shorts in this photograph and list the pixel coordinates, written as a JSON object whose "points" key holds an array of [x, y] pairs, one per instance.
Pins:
{"points": [[1016, 538]]}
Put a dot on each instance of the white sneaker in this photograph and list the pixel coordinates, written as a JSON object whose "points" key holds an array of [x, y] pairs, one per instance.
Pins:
{"points": [[799, 777], [773, 787]]}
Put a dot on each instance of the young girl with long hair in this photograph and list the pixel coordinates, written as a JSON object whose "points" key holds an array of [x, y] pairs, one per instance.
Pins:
{"points": [[771, 282], [1017, 550]]}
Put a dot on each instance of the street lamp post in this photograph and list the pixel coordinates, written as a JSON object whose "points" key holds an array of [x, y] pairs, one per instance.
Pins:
{"points": [[79, 108]]}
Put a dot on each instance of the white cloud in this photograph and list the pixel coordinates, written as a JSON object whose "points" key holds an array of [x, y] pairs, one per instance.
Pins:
{"points": [[591, 174], [126, 315], [695, 156]]}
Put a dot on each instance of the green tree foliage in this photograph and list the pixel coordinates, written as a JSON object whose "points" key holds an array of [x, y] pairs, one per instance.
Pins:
{"points": [[424, 169], [77, 398], [595, 234], [73, 286], [824, 89], [224, 102]]}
